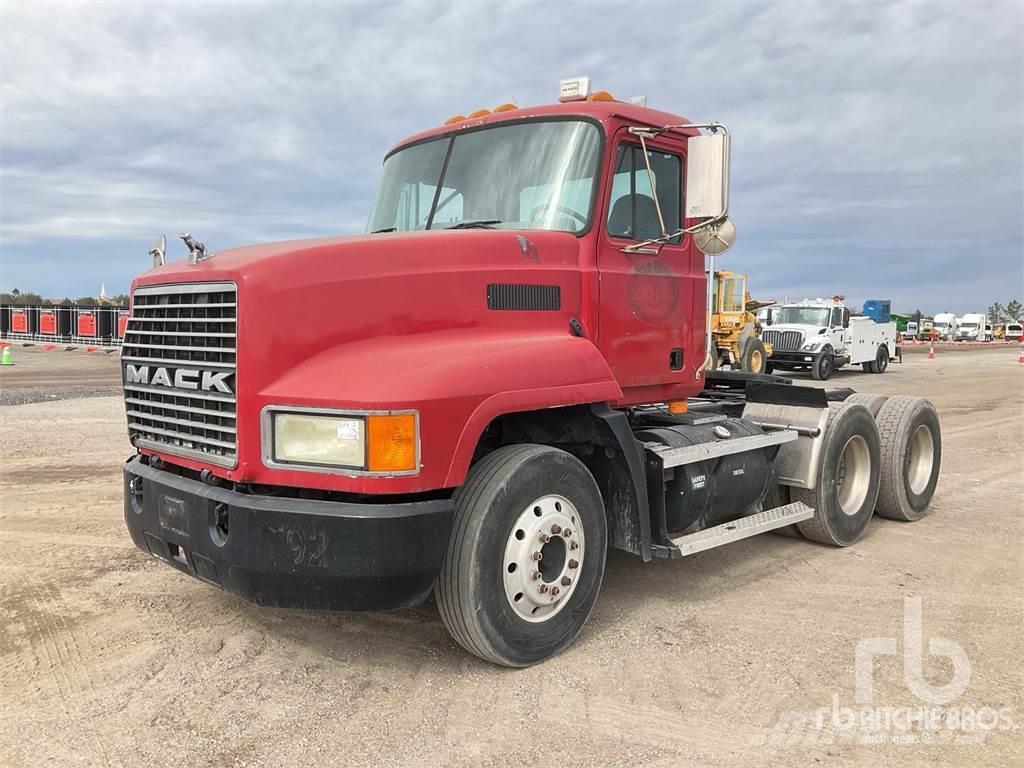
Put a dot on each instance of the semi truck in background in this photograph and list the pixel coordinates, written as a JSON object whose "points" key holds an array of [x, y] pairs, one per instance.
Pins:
{"points": [[512, 378], [945, 325], [972, 327]]}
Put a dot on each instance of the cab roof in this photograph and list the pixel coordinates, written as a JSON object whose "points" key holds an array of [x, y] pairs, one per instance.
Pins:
{"points": [[602, 111]]}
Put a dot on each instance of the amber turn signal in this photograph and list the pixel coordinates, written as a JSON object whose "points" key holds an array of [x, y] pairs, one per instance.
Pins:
{"points": [[391, 442], [677, 407]]}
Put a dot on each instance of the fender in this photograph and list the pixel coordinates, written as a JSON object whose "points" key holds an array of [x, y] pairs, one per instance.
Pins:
{"points": [[459, 380]]}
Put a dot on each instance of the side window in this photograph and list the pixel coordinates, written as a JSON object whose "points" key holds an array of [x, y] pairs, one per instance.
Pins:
{"points": [[632, 212], [732, 300], [837, 317]]}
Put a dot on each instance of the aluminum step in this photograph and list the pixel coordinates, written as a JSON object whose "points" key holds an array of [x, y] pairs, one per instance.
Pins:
{"points": [[690, 454], [743, 528]]}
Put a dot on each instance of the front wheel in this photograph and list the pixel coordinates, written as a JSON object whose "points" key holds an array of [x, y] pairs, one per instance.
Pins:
{"points": [[755, 358], [823, 365], [526, 555]]}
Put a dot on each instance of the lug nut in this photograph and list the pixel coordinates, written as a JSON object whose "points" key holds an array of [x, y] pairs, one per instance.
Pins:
{"points": [[573, 545], [566, 581], [573, 564], [567, 532], [544, 537], [555, 591], [535, 575], [543, 588], [538, 555], [556, 529]]}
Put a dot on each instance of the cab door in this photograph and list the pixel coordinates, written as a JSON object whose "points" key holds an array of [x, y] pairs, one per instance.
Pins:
{"points": [[648, 298]]}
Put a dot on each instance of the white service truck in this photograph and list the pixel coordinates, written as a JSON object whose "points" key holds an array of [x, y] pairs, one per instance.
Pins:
{"points": [[821, 335], [1014, 331], [971, 327]]}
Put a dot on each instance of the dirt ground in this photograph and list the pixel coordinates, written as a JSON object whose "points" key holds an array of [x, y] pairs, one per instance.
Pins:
{"points": [[38, 375], [108, 657]]}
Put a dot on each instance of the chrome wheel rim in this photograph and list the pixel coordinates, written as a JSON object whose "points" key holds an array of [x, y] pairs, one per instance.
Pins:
{"points": [[854, 475], [922, 459], [543, 558]]}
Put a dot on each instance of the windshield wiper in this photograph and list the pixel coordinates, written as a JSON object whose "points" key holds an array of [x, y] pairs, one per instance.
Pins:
{"points": [[381, 231], [477, 224]]}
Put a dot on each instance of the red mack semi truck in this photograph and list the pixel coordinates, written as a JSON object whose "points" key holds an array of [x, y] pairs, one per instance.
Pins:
{"points": [[504, 377]]}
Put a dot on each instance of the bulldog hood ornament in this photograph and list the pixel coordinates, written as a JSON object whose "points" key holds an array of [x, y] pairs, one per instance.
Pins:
{"points": [[196, 251]]}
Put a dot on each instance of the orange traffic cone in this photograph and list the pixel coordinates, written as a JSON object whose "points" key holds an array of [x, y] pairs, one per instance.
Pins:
{"points": [[931, 351]]}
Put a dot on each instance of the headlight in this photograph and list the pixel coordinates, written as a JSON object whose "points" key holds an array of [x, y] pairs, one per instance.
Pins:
{"points": [[812, 345], [306, 439], [384, 443]]}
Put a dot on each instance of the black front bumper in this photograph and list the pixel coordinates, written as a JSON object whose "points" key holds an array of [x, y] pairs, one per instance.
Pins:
{"points": [[778, 357], [288, 552]]}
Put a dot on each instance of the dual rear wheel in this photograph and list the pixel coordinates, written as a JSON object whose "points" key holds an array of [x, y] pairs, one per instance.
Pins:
{"points": [[880, 455]]}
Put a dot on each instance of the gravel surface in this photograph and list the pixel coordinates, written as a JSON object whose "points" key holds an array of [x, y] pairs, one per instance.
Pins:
{"points": [[39, 376], [110, 658]]}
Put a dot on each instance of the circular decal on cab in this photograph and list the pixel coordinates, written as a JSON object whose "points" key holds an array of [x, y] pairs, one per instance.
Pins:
{"points": [[652, 290]]}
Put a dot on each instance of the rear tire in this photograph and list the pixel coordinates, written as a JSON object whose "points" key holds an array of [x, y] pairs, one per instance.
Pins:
{"points": [[873, 403], [848, 479], [881, 360], [488, 595], [911, 457]]}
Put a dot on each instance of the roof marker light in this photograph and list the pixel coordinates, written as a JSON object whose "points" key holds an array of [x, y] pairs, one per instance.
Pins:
{"points": [[574, 89], [505, 107], [479, 113], [454, 119], [600, 96]]}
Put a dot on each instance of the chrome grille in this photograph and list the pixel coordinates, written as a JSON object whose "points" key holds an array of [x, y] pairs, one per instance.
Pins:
{"points": [[784, 341], [179, 354]]}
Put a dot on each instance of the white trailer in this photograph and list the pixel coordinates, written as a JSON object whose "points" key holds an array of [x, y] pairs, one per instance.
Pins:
{"points": [[945, 325], [821, 335]]}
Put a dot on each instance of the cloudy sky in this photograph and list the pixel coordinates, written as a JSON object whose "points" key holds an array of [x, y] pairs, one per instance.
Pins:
{"points": [[878, 146]]}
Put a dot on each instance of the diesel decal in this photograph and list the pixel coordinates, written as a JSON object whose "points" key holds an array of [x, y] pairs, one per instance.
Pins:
{"points": [[179, 378]]}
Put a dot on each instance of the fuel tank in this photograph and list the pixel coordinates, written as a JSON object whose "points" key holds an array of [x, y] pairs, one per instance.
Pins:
{"points": [[711, 492]]}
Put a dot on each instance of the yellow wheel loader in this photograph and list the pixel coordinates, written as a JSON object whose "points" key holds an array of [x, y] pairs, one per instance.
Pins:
{"points": [[734, 325]]}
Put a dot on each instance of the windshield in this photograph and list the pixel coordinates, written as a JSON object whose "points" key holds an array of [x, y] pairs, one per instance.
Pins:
{"points": [[537, 175], [968, 325], [803, 316]]}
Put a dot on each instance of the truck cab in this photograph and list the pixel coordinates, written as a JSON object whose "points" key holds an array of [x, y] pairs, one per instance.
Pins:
{"points": [[503, 377], [971, 327]]}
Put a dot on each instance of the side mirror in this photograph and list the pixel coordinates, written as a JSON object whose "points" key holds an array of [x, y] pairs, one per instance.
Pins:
{"points": [[707, 176], [707, 191]]}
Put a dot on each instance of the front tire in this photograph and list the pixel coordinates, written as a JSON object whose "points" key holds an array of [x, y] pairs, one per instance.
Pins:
{"points": [[755, 358], [497, 599], [821, 369]]}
